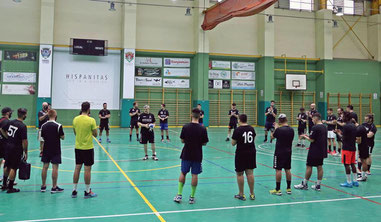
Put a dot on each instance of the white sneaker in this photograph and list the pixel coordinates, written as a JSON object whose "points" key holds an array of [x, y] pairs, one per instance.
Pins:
{"points": [[301, 186]]}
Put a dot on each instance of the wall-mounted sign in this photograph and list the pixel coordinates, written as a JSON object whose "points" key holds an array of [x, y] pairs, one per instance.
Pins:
{"points": [[148, 62], [243, 84], [147, 81], [20, 55], [149, 72], [176, 62], [219, 64], [243, 75], [176, 72], [219, 74], [19, 77], [243, 66], [176, 83], [13, 89]]}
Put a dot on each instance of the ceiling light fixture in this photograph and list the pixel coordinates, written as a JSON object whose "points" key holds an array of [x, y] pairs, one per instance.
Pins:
{"points": [[270, 19], [112, 6], [188, 12]]}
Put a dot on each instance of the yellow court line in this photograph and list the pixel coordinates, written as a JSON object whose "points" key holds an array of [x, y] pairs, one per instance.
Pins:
{"points": [[132, 183]]}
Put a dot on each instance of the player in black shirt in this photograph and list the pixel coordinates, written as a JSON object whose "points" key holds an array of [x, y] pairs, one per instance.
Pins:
{"points": [[245, 156], [201, 119], [331, 125], [104, 116], [302, 126], [371, 132], [348, 154], [316, 153], [147, 123], [4, 121], [163, 115], [17, 148], [134, 113], [270, 114], [282, 156], [339, 127], [233, 114], [310, 114], [52, 132], [194, 136], [42, 118], [353, 115], [363, 151]]}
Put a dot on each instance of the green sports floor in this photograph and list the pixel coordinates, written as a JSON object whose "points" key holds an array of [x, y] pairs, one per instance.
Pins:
{"points": [[130, 189]]}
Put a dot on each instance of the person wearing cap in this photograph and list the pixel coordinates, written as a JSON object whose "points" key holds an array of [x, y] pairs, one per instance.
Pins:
{"points": [[282, 156], [4, 121], [42, 118], [17, 149], [147, 123]]}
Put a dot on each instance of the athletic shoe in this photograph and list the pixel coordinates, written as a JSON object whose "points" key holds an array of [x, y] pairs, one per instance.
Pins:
{"points": [[355, 183], [337, 154], [74, 194], [289, 191], [265, 141], [315, 187], [162, 140], [276, 192], [227, 140], [329, 152], [298, 145], [168, 140], [90, 194], [146, 157], [252, 196], [191, 200], [346, 184], [333, 153], [14, 190], [154, 157], [307, 148], [56, 190], [108, 141], [4, 188], [362, 179], [43, 189], [301, 186], [178, 198], [303, 146], [368, 173], [100, 140], [239, 197]]}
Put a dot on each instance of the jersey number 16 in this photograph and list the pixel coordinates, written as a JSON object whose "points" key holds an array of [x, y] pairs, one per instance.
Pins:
{"points": [[248, 137]]}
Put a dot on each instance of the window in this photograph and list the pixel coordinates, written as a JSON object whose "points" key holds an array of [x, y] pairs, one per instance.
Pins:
{"points": [[351, 7], [307, 5]]}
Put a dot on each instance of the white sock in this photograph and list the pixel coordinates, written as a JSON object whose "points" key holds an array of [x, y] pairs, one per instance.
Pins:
{"points": [[87, 188], [75, 186], [318, 182], [305, 182], [348, 178], [354, 175]]}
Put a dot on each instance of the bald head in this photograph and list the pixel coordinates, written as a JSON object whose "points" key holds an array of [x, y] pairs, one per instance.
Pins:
{"points": [[313, 106]]}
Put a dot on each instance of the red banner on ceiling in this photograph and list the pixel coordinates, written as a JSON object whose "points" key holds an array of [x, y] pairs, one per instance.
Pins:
{"points": [[233, 8]]}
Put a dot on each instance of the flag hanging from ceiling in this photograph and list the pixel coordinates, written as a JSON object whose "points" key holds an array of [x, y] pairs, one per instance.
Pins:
{"points": [[233, 8]]}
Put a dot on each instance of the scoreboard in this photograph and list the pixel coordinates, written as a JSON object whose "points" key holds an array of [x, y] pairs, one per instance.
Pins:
{"points": [[90, 47]]}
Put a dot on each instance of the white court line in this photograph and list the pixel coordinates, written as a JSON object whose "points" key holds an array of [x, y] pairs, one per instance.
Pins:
{"points": [[202, 209]]}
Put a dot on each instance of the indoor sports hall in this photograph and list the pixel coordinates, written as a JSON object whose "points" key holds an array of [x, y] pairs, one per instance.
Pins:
{"points": [[86, 85]]}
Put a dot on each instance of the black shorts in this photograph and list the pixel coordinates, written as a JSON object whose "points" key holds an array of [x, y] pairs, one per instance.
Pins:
{"points": [[282, 162], [2, 151], [269, 126], [310, 127], [339, 138], [147, 138], [134, 124], [51, 158], [13, 160], [301, 130], [245, 162], [371, 148], [364, 152], [104, 126], [314, 162], [232, 125], [85, 157]]}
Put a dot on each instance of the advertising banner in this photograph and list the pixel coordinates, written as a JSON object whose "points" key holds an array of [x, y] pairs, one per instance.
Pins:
{"points": [[129, 74], [19, 77], [243, 66], [176, 72], [148, 62], [243, 84], [219, 65], [219, 84], [45, 71], [147, 81], [176, 83], [149, 72], [219, 74], [13, 89], [243, 75], [176, 62], [20, 55]]}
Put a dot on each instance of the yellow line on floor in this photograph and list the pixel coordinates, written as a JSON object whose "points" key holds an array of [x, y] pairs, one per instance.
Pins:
{"points": [[132, 183]]}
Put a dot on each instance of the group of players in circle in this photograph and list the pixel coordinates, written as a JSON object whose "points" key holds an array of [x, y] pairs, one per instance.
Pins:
{"points": [[321, 135]]}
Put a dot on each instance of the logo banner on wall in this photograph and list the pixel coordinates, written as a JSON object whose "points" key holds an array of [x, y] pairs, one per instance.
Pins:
{"points": [[176, 83], [173, 62], [176, 72], [219, 74], [45, 71], [129, 74], [243, 66], [219, 64], [219, 84], [19, 77], [147, 81], [149, 72], [9, 89], [243, 84], [82, 78], [1, 55], [243, 75], [20, 55], [148, 62]]}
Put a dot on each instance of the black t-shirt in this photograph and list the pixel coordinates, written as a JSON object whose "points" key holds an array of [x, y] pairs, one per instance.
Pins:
{"points": [[40, 114], [194, 137], [103, 113], [340, 120], [318, 149], [52, 131], [370, 128], [349, 137], [135, 118], [201, 120], [3, 125], [245, 136], [330, 118], [145, 118], [312, 112], [284, 136], [163, 113], [270, 118], [17, 132], [353, 115], [233, 119], [362, 132], [302, 116]]}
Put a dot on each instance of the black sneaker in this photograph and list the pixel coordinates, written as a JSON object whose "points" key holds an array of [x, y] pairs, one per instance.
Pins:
{"points": [[14, 190], [298, 145], [90, 194], [3, 188], [43, 189], [56, 190], [145, 157], [265, 140], [154, 157], [227, 139], [74, 194]]}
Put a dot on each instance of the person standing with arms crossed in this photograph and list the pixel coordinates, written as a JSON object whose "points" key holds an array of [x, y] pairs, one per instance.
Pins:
{"points": [[331, 126], [302, 126], [85, 128], [163, 115], [270, 114], [104, 116], [134, 114], [233, 114], [371, 133]]}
